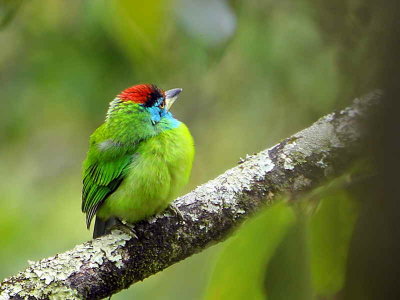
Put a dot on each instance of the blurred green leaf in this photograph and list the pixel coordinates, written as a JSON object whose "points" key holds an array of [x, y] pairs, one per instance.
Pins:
{"points": [[239, 273], [141, 28], [8, 9], [330, 230], [288, 272]]}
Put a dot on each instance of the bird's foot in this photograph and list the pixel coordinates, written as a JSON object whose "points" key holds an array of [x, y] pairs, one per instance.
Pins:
{"points": [[175, 210], [125, 227]]}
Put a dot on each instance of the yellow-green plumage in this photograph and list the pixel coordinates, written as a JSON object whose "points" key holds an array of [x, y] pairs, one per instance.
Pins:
{"points": [[155, 176], [138, 160]]}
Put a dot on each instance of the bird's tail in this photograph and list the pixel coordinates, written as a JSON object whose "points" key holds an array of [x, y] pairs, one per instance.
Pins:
{"points": [[103, 227]]}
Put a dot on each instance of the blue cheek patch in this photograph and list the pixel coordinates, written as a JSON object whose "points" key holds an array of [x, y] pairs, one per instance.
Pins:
{"points": [[158, 115], [154, 114]]}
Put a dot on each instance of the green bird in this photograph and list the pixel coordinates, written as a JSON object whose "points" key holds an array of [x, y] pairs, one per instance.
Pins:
{"points": [[138, 160]]}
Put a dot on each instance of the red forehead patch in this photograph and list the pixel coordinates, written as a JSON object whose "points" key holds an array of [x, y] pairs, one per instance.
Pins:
{"points": [[146, 94]]}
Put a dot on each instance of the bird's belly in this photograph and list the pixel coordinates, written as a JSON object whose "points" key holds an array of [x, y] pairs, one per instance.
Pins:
{"points": [[159, 170], [143, 192]]}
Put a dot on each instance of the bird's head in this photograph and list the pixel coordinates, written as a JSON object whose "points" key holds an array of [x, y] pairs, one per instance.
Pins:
{"points": [[146, 97]]}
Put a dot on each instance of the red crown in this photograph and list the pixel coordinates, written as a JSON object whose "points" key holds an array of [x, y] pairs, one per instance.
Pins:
{"points": [[142, 94]]}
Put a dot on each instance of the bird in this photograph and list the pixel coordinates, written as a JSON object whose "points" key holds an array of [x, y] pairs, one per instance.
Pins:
{"points": [[138, 160]]}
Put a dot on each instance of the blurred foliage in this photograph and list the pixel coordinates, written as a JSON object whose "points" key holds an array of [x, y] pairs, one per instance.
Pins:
{"points": [[330, 230], [289, 252], [240, 269], [8, 8], [287, 275], [253, 72]]}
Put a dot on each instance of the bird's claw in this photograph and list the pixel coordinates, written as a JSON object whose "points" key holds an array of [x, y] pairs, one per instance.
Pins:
{"points": [[126, 228], [175, 210]]}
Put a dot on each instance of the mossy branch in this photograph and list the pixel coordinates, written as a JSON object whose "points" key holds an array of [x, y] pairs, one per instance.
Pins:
{"points": [[104, 266]]}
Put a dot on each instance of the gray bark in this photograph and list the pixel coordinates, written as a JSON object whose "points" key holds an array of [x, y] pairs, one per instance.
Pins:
{"points": [[104, 266]]}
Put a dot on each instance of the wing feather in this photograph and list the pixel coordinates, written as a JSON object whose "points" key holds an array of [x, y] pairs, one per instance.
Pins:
{"points": [[101, 177]]}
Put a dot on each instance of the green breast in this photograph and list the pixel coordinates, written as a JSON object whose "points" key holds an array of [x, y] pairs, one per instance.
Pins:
{"points": [[159, 169]]}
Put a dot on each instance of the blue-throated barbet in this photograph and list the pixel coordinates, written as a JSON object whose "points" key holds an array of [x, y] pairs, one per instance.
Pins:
{"points": [[138, 159]]}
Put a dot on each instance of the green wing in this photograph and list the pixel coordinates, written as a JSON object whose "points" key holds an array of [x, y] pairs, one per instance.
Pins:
{"points": [[101, 177]]}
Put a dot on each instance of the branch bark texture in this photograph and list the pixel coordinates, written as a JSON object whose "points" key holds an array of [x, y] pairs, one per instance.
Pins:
{"points": [[104, 266]]}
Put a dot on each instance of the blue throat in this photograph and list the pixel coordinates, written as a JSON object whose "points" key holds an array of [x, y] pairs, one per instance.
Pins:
{"points": [[162, 118]]}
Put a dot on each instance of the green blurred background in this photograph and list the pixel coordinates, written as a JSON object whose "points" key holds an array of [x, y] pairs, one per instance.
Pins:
{"points": [[253, 72]]}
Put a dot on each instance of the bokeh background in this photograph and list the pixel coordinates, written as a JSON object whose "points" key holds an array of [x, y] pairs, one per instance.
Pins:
{"points": [[253, 73]]}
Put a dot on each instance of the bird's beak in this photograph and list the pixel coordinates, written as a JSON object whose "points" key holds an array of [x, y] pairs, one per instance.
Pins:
{"points": [[171, 96]]}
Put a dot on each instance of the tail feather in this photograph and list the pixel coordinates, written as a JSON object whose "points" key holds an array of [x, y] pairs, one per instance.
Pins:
{"points": [[103, 227]]}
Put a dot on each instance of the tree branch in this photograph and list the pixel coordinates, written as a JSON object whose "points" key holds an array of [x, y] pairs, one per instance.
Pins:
{"points": [[104, 266]]}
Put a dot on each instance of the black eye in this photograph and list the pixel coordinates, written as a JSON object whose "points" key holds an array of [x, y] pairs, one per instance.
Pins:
{"points": [[162, 104]]}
